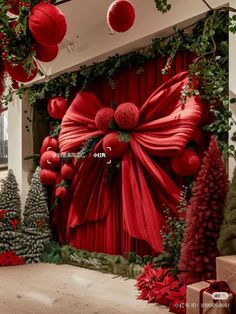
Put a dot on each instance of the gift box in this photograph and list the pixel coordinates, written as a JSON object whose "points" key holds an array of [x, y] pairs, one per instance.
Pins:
{"points": [[200, 301], [226, 270]]}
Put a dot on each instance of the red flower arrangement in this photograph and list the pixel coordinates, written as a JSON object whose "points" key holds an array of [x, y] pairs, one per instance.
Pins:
{"points": [[14, 223], [160, 286], [10, 259]]}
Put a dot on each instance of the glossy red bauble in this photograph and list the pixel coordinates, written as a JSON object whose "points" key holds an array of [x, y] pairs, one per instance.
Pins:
{"points": [[47, 24], [46, 53], [121, 15], [49, 160], [48, 177], [18, 73], [60, 192], [57, 107], [113, 147], [127, 116], [15, 7], [67, 172], [186, 163], [104, 119], [49, 143]]}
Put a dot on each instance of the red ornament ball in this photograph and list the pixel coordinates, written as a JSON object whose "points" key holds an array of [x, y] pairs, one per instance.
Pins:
{"points": [[48, 177], [15, 6], [18, 73], [49, 160], [46, 53], [57, 107], [61, 192], [67, 172], [127, 116], [113, 147], [121, 15], [47, 24], [49, 143], [186, 163], [104, 118]]}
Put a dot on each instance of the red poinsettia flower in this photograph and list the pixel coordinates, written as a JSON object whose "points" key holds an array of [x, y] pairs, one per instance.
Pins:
{"points": [[14, 223], [10, 259], [162, 126]]}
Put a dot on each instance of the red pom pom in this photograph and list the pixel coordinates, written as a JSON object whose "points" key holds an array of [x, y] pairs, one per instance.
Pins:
{"points": [[61, 192], [46, 53], [57, 107], [104, 118], [18, 73], [121, 15], [127, 116], [49, 160], [67, 172], [49, 143], [47, 24], [113, 147], [15, 9], [48, 177], [186, 163], [197, 136]]}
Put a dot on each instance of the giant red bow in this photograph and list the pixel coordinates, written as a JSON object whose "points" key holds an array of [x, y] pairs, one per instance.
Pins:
{"points": [[165, 126]]}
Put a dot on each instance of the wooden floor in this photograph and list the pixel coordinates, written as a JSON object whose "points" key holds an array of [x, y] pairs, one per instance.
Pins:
{"points": [[51, 289]]}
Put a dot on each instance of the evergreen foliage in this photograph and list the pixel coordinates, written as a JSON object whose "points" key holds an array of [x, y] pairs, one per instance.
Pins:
{"points": [[227, 239], [35, 227]]}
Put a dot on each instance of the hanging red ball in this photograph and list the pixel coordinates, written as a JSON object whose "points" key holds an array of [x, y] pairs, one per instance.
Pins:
{"points": [[67, 172], [47, 24], [15, 6], [186, 163], [49, 143], [60, 192], [57, 107], [18, 73], [48, 177], [46, 53], [49, 160], [113, 146], [104, 119], [121, 15], [127, 116]]}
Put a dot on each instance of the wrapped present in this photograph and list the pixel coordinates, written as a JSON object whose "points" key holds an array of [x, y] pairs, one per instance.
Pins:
{"points": [[209, 297], [226, 270]]}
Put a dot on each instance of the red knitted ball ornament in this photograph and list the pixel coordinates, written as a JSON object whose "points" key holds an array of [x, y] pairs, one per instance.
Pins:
{"points": [[61, 192], [14, 6], [127, 116], [121, 15], [46, 53], [49, 160], [57, 107], [113, 147], [49, 143], [48, 177], [186, 163], [67, 172], [104, 118], [47, 24], [18, 73]]}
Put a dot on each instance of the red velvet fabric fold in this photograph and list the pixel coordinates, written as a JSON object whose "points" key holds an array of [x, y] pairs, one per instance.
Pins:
{"points": [[164, 129]]}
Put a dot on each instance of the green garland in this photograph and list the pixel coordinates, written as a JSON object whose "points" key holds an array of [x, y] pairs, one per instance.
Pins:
{"points": [[208, 41]]}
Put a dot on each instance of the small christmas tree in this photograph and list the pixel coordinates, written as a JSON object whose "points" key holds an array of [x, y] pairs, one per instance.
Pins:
{"points": [[227, 239], [204, 218], [35, 226], [11, 245]]}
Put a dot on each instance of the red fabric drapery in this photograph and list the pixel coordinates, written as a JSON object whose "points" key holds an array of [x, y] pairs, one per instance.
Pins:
{"points": [[106, 229]]}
